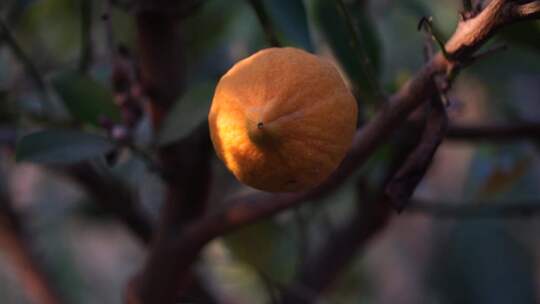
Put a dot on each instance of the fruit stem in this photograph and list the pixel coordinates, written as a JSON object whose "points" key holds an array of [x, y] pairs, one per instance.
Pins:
{"points": [[258, 133]]}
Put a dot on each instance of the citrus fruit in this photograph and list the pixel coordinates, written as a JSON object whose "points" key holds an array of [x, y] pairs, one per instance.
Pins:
{"points": [[282, 120]]}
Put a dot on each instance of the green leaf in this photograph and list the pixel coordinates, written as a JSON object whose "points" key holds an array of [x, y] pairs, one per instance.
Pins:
{"points": [[61, 147], [86, 99], [523, 34], [266, 246], [209, 28], [191, 110], [52, 41], [290, 20], [369, 37], [333, 26], [416, 8]]}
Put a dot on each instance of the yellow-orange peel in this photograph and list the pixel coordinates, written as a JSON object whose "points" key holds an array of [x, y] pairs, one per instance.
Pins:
{"points": [[282, 120]]}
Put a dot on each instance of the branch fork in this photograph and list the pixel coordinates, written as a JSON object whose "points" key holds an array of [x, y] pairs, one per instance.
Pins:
{"points": [[161, 282]]}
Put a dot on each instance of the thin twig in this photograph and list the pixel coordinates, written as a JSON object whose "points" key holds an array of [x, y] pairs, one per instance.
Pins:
{"points": [[530, 10], [403, 183], [426, 23]]}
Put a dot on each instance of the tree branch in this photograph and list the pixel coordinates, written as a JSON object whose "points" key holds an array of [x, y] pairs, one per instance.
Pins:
{"points": [[187, 163], [324, 265], [529, 10], [250, 208], [172, 264], [321, 269]]}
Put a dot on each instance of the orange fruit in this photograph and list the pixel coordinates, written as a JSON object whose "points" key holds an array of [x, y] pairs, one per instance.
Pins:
{"points": [[282, 120]]}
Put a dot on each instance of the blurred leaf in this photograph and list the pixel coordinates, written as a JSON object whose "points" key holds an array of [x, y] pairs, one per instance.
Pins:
{"points": [[61, 37], [208, 27], [502, 179], [266, 246], [187, 113], [502, 172], [523, 34], [417, 8], [483, 264], [86, 99], [369, 37], [61, 147], [334, 28], [290, 20], [124, 23], [8, 109]]}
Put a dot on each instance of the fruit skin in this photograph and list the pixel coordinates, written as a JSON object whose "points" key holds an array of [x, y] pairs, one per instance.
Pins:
{"points": [[282, 120]]}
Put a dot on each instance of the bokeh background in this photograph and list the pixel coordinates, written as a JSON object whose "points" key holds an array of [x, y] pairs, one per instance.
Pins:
{"points": [[88, 255]]}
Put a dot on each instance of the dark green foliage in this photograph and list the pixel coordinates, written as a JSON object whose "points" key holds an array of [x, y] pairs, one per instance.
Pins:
{"points": [[86, 99], [290, 21], [61, 147], [333, 25]]}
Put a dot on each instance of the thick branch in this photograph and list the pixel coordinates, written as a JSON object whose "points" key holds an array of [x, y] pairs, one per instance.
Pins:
{"points": [[187, 162], [245, 210], [162, 63], [323, 266]]}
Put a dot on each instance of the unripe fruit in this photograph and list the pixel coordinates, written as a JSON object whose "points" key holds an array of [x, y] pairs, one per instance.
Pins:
{"points": [[282, 120]]}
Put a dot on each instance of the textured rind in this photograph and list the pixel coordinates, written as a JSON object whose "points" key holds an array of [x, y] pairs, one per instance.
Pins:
{"points": [[308, 118]]}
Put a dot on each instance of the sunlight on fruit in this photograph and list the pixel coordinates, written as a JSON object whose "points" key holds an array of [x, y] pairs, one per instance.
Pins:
{"points": [[282, 120]]}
